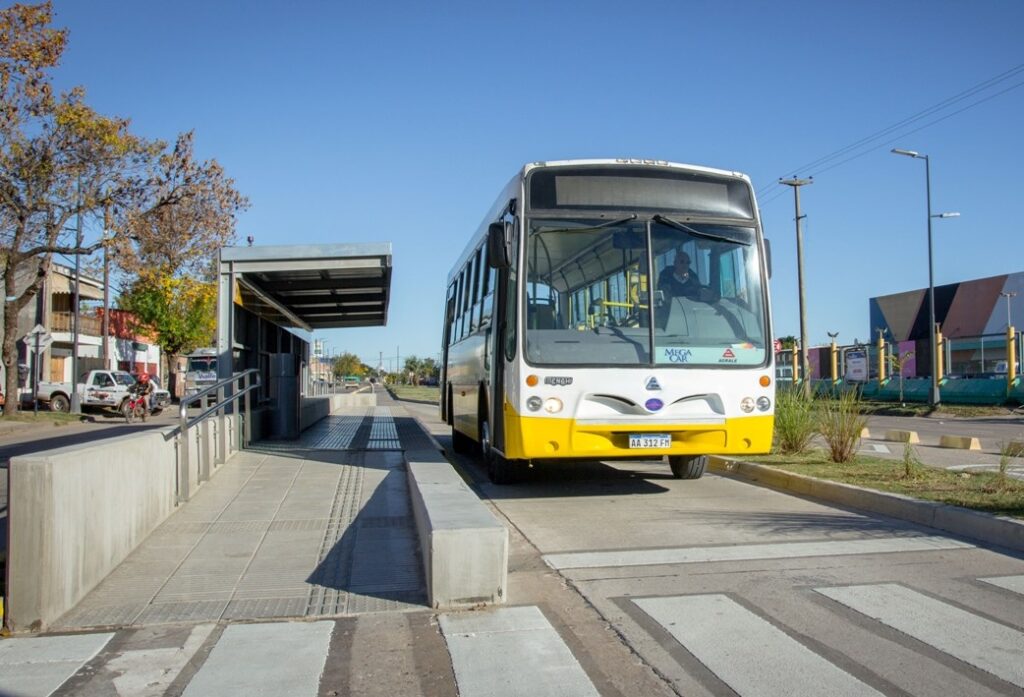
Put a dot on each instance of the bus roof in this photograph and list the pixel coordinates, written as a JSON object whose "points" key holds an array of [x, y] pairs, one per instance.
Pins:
{"points": [[514, 188]]}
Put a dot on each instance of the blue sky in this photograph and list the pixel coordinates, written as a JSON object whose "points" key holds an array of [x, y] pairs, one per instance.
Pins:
{"points": [[400, 122]]}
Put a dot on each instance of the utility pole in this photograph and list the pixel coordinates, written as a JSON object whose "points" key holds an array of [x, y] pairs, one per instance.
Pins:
{"points": [[805, 366], [76, 400], [106, 290]]}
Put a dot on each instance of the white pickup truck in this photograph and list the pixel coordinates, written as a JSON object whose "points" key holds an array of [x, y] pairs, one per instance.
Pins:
{"points": [[99, 389]]}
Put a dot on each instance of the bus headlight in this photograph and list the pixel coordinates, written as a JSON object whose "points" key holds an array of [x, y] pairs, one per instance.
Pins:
{"points": [[747, 404], [763, 403], [552, 405], [534, 403]]}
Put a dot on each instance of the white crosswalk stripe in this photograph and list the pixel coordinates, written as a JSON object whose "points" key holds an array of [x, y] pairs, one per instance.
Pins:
{"points": [[39, 665], [784, 550], [746, 652], [512, 651], [990, 646], [1010, 583], [281, 658]]}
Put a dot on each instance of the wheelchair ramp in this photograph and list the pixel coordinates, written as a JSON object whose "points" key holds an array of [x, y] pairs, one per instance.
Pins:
{"points": [[320, 526]]}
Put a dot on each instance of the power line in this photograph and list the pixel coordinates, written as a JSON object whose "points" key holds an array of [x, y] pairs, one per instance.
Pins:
{"points": [[868, 142]]}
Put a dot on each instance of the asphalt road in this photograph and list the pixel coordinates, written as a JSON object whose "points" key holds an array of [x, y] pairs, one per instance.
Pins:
{"points": [[21, 439], [726, 588]]}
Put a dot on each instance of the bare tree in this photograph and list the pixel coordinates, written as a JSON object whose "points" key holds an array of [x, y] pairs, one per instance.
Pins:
{"points": [[58, 159]]}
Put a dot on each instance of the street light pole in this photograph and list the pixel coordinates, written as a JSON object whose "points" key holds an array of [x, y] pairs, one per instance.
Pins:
{"points": [[934, 398], [804, 362]]}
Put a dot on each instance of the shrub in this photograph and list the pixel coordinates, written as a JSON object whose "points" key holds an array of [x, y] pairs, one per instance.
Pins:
{"points": [[795, 423], [911, 463], [841, 424]]}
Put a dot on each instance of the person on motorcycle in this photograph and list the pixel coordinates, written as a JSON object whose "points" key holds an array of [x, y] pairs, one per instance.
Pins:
{"points": [[143, 387]]}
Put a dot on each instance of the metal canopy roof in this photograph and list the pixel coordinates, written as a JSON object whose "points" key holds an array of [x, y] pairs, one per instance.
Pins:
{"points": [[313, 286]]}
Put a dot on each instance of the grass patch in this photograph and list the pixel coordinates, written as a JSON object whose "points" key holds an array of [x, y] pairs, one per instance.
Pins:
{"points": [[416, 393], [979, 491], [43, 417]]}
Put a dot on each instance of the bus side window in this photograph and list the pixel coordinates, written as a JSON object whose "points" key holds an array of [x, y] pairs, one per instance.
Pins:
{"points": [[457, 313], [474, 294], [486, 291], [449, 316]]}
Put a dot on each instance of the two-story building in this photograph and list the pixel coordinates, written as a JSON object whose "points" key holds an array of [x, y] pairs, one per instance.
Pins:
{"points": [[128, 348]]}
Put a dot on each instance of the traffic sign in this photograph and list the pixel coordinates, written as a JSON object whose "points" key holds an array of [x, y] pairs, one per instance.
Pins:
{"points": [[38, 339]]}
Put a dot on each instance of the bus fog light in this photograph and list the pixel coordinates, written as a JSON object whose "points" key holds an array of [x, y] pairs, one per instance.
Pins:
{"points": [[747, 404], [553, 405], [534, 403], [763, 403]]}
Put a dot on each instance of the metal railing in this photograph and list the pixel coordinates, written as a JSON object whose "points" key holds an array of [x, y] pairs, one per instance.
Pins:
{"points": [[228, 391]]}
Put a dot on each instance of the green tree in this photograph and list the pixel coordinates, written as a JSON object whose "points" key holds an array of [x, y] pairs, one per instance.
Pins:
{"points": [[787, 342], [58, 159], [181, 311], [411, 370], [348, 364]]}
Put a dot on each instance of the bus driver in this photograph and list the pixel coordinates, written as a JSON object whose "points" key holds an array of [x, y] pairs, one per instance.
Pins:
{"points": [[679, 281]]}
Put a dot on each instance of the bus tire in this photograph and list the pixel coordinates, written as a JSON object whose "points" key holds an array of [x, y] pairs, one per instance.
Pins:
{"points": [[688, 466], [461, 443]]}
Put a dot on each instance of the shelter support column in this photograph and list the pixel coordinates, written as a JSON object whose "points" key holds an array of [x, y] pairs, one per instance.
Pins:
{"points": [[880, 344], [1011, 357]]}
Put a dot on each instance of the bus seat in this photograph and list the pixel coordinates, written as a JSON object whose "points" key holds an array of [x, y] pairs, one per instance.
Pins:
{"points": [[541, 316]]}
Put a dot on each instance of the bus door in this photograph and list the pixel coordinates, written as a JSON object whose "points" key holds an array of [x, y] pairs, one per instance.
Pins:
{"points": [[502, 336]]}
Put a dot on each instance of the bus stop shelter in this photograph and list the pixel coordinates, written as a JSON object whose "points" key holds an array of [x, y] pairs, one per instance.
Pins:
{"points": [[271, 298]]}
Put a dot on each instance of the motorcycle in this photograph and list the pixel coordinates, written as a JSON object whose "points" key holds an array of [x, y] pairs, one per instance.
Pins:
{"points": [[134, 407]]}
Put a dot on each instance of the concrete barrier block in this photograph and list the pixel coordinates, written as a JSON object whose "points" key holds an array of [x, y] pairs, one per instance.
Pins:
{"points": [[70, 522], [902, 437], [464, 547], [959, 442]]}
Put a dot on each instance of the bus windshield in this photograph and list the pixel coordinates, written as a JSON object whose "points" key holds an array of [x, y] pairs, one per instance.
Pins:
{"points": [[592, 298]]}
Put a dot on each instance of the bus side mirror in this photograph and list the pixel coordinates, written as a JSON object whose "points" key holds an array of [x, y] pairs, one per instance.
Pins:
{"points": [[497, 246], [768, 256]]}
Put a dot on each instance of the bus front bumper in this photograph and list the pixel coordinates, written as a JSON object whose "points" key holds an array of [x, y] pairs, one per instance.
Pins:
{"points": [[547, 438]]}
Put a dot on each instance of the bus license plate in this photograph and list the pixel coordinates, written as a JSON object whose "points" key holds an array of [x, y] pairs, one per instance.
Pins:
{"points": [[650, 440]]}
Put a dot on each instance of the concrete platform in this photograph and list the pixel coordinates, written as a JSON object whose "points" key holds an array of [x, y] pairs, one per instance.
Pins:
{"points": [[321, 526]]}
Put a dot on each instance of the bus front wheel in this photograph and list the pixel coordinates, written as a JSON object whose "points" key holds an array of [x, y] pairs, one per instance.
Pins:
{"points": [[688, 466]]}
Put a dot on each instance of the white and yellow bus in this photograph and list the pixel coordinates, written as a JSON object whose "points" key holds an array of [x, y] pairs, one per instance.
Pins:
{"points": [[565, 336]]}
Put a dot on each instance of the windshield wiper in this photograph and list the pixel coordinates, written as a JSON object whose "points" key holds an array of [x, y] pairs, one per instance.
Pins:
{"points": [[592, 228], [739, 239]]}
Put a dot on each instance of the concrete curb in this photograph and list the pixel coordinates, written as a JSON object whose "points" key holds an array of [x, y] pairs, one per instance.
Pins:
{"points": [[464, 546], [983, 527], [959, 442]]}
